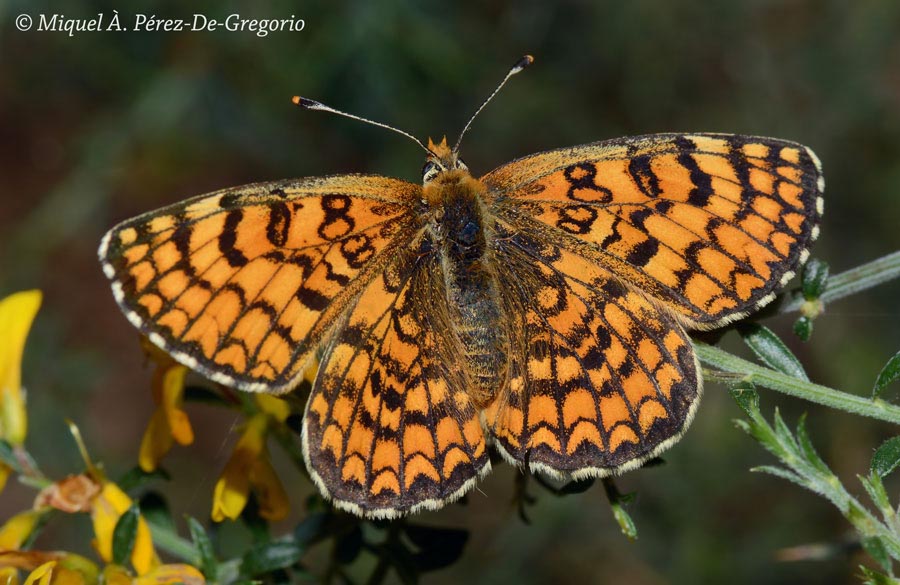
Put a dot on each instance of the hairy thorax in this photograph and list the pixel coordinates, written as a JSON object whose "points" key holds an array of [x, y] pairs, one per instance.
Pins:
{"points": [[461, 229]]}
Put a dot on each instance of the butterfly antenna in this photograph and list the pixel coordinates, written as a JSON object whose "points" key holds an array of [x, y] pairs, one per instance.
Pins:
{"points": [[314, 105], [519, 66]]}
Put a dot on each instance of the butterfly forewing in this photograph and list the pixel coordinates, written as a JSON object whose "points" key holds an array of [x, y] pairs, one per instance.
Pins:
{"points": [[708, 225], [242, 284]]}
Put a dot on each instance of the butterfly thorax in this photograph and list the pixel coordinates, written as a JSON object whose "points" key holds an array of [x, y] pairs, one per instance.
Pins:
{"points": [[461, 228]]}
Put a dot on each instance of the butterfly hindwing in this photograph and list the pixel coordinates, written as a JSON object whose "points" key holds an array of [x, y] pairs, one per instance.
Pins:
{"points": [[709, 225], [243, 283], [602, 380], [390, 427]]}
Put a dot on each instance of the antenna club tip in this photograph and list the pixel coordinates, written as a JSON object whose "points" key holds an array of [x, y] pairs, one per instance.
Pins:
{"points": [[305, 102], [522, 63]]}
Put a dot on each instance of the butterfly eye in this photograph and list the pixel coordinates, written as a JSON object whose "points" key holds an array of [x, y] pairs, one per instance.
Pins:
{"points": [[430, 171], [461, 165]]}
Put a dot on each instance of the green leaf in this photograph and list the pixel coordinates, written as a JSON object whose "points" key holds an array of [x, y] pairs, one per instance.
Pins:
{"points": [[782, 473], [886, 458], [889, 373], [803, 328], [137, 477], [209, 566], [618, 501], [746, 396], [155, 510], [314, 527], [438, 547], [769, 348], [8, 457], [814, 279], [875, 578], [875, 489], [269, 557], [124, 535], [807, 448], [876, 549]]}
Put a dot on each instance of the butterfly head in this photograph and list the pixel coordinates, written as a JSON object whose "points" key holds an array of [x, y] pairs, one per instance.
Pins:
{"points": [[441, 161]]}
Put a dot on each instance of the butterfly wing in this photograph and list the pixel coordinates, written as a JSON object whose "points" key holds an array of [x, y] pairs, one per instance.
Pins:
{"points": [[243, 284], [601, 380], [708, 225], [390, 427]]}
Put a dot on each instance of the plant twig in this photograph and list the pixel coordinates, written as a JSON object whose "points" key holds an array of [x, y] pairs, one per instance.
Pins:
{"points": [[762, 376], [853, 281]]}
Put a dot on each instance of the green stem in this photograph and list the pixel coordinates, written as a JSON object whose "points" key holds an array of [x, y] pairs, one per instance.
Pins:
{"points": [[164, 538], [761, 376], [853, 281]]}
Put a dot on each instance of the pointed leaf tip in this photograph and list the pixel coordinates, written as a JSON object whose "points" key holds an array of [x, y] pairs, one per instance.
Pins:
{"points": [[889, 373]]}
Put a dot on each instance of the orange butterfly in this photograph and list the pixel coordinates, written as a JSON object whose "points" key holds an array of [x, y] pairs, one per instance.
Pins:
{"points": [[541, 308]]}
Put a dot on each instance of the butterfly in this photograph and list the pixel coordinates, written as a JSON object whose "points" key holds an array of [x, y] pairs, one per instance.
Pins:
{"points": [[540, 310]]}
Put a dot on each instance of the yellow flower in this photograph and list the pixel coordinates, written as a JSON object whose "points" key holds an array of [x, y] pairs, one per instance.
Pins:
{"points": [[175, 573], [108, 507], [17, 311], [47, 568], [169, 422], [249, 466], [18, 528], [56, 573]]}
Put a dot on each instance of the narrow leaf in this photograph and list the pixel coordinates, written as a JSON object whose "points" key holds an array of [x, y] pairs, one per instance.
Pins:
{"points": [[875, 489], [209, 566], [7, 456], [876, 549], [270, 557], [814, 279], [745, 394], [783, 433], [782, 473], [124, 535], [886, 458], [889, 373], [807, 448], [769, 348], [875, 578], [618, 501]]}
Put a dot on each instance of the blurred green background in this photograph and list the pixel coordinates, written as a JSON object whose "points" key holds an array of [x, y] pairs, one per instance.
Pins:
{"points": [[101, 126]]}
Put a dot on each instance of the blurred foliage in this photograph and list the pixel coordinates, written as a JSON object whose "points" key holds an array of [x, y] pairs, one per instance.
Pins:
{"points": [[102, 126]]}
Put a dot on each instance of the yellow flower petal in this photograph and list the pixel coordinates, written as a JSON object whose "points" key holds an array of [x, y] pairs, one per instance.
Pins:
{"points": [[172, 399], [116, 575], [9, 576], [42, 574], [272, 405], [157, 441], [273, 500], [233, 486], [17, 311], [108, 508], [17, 529], [5, 470], [87, 571], [175, 573]]}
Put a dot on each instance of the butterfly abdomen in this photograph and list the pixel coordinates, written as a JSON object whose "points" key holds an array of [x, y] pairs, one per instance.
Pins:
{"points": [[462, 228]]}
